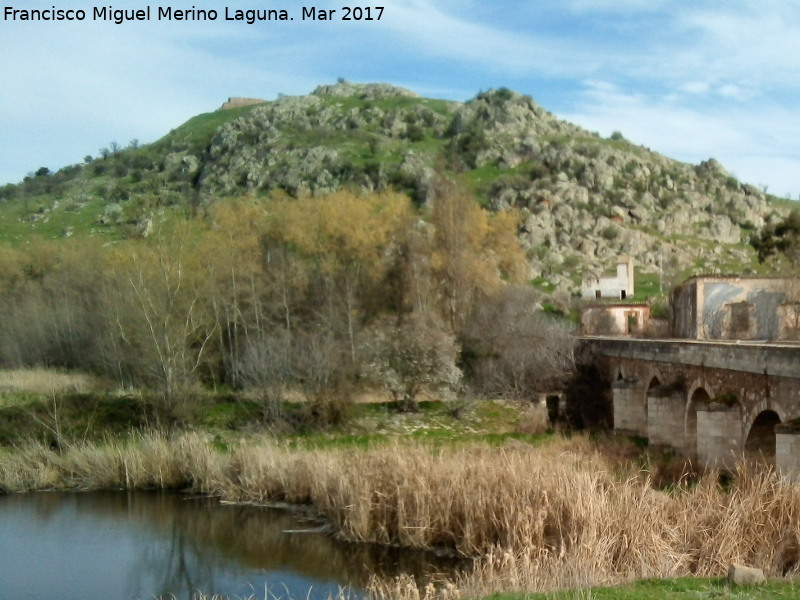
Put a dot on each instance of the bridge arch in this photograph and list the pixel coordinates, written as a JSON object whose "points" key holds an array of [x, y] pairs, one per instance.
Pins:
{"points": [[699, 393], [755, 378], [760, 439], [756, 409], [759, 431], [654, 379]]}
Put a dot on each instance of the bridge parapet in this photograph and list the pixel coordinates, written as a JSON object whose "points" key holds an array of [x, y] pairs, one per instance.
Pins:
{"points": [[782, 360]]}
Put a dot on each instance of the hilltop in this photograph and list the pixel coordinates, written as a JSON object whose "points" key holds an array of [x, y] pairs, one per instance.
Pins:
{"points": [[583, 199]]}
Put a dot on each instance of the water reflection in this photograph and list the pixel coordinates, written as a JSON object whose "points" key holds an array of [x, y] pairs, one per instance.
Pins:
{"points": [[142, 546]]}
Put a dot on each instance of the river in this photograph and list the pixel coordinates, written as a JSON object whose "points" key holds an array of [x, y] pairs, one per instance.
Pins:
{"points": [[145, 546]]}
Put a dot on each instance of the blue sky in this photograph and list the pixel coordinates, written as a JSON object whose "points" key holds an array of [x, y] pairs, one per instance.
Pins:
{"points": [[690, 80]]}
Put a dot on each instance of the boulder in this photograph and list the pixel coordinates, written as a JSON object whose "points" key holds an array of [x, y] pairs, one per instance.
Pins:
{"points": [[742, 575]]}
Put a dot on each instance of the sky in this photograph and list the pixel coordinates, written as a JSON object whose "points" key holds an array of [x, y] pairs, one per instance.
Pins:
{"points": [[691, 80]]}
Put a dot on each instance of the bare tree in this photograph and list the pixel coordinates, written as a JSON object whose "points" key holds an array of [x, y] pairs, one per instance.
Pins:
{"points": [[471, 251], [265, 363], [416, 354], [513, 349], [161, 314]]}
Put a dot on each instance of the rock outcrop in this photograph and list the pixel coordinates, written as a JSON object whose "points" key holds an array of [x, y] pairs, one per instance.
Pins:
{"points": [[584, 200]]}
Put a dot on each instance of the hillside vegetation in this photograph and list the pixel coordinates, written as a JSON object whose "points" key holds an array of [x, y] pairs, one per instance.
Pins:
{"points": [[317, 296], [582, 199], [360, 237]]}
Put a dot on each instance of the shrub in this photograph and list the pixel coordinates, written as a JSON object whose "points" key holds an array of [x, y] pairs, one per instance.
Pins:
{"points": [[416, 354], [610, 233]]}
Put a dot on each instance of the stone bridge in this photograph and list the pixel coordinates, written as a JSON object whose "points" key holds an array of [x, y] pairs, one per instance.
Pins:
{"points": [[713, 401]]}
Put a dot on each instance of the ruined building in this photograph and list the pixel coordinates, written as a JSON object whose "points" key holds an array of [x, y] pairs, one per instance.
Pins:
{"points": [[736, 308]]}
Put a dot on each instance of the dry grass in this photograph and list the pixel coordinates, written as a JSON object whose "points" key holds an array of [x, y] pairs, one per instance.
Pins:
{"points": [[534, 421], [46, 381], [538, 519]]}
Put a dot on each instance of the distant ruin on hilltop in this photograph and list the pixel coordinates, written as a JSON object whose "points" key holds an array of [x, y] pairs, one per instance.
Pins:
{"points": [[239, 102]]}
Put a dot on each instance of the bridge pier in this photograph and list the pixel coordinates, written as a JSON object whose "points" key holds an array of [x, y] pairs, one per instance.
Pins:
{"points": [[719, 435], [666, 418], [630, 408], [787, 451]]}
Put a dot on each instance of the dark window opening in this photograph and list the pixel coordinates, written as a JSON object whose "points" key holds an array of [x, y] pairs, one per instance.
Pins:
{"points": [[740, 319]]}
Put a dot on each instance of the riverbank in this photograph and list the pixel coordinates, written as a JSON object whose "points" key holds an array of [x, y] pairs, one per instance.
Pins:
{"points": [[684, 588], [671, 589], [536, 510], [563, 514]]}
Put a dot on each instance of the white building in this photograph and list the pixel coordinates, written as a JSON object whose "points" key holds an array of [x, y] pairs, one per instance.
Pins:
{"points": [[619, 286]]}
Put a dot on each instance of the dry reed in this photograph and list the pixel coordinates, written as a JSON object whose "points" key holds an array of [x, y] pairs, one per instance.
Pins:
{"points": [[534, 420], [537, 518], [47, 381]]}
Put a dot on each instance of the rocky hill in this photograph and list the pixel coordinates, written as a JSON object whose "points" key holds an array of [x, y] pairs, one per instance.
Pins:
{"points": [[584, 199]]}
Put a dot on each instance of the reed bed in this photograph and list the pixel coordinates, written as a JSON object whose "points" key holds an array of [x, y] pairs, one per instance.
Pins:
{"points": [[535, 518], [46, 381]]}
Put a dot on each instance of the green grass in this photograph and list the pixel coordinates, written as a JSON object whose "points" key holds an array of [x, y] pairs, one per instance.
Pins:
{"points": [[56, 419], [227, 414], [784, 204], [543, 284], [685, 588], [197, 132], [648, 285], [17, 399], [324, 442], [17, 228], [78, 412]]}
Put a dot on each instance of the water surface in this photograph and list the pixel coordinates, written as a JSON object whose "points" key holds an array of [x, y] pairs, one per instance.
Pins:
{"points": [[141, 546]]}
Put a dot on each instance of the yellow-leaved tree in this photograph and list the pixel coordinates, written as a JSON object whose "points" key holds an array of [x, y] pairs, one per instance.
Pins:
{"points": [[473, 251], [344, 243]]}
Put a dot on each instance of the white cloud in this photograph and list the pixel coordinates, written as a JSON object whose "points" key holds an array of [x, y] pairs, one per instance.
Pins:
{"points": [[734, 92], [695, 87], [71, 89], [440, 35], [624, 7]]}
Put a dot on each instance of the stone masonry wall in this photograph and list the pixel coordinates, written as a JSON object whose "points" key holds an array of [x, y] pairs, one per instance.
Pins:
{"points": [[787, 452], [665, 419], [774, 359], [721, 441], [630, 411]]}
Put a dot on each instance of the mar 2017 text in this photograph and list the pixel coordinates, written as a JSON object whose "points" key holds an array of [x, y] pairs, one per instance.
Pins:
{"points": [[119, 16]]}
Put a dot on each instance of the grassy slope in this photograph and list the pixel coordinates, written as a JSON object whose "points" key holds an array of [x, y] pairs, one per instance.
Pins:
{"points": [[35, 218], [685, 588], [31, 403]]}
